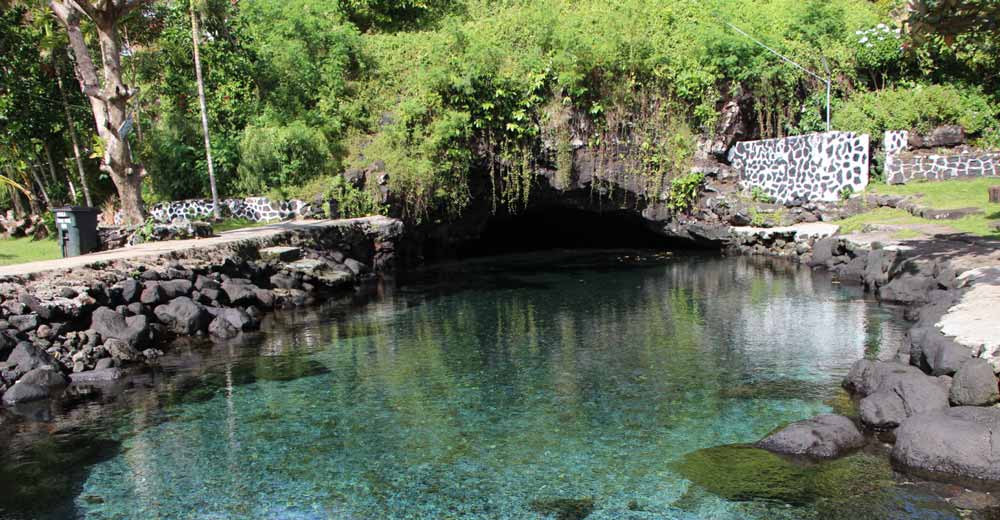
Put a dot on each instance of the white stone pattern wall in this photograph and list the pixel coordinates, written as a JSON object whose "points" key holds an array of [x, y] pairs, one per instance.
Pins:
{"points": [[811, 167], [902, 167], [256, 209]]}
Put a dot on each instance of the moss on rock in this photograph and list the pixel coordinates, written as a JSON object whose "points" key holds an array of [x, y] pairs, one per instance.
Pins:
{"points": [[745, 473]]}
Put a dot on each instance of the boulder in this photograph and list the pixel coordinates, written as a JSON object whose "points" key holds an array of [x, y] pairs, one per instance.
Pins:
{"points": [[45, 311], [974, 384], [908, 288], [39, 383], [153, 294], [904, 397], [935, 352], [24, 322], [355, 266], [240, 293], [228, 323], [203, 282], [174, 288], [956, 442], [285, 281], [182, 316], [867, 377], [222, 329], [131, 290], [46, 377], [121, 350], [823, 252], [824, 436], [945, 135], [23, 392], [97, 375], [110, 324], [27, 357]]}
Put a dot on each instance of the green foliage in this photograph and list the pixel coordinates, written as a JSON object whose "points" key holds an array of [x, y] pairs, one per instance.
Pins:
{"points": [[846, 192], [759, 195], [918, 107], [684, 191], [351, 201], [274, 156]]}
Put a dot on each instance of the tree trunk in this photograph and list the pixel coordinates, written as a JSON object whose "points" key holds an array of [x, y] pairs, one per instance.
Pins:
{"points": [[216, 211], [15, 196], [40, 183], [108, 99], [72, 136], [55, 176]]}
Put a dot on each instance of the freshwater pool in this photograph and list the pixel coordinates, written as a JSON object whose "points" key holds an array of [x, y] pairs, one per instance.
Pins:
{"points": [[557, 385]]}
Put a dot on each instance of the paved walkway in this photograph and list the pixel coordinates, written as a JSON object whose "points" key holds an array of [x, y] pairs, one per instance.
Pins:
{"points": [[154, 249]]}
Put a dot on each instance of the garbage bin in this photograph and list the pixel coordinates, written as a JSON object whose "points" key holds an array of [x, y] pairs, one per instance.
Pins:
{"points": [[77, 228]]}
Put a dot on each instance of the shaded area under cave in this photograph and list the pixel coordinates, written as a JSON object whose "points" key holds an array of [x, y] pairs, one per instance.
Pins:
{"points": [[555, 227]]}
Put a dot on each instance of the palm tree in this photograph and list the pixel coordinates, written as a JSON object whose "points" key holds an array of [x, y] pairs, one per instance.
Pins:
{"points": [[195, 37]]}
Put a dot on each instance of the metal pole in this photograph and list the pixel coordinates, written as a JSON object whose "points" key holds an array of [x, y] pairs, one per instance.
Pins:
{"points": [[788, 60], [826, 67]]}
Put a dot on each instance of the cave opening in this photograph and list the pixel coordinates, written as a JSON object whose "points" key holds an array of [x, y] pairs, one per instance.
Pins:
{"points": [[557, 227]]}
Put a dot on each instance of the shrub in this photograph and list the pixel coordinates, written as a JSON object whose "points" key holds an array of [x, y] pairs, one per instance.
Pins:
{"points": [[282, 155], [918, 107], [684, 191]]}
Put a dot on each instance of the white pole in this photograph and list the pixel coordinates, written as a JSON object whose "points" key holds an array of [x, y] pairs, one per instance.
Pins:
{"points": [[788, 60]]}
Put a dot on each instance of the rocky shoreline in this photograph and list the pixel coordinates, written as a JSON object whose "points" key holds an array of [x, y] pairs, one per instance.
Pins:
{"points": [[935, 399], [97, 323]]}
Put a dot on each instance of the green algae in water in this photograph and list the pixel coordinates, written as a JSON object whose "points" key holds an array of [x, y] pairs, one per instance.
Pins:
{"points": [[745, 473]]}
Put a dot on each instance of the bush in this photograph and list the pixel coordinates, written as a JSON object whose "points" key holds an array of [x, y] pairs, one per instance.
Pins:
{"points": [[684, 191], [282, 155], [918, 107]]}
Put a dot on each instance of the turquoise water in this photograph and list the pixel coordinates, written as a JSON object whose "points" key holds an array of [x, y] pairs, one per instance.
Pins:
{"points": [[555, 384]]}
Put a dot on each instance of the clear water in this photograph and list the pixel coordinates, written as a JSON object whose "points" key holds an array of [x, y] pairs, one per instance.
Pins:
{"points": [[489, 389]]}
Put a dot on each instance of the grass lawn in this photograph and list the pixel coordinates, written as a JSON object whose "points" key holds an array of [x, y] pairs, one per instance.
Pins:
{"points": [[953, 194], [23, 250]]}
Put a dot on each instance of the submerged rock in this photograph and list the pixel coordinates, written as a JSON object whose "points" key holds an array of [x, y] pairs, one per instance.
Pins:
{"points": [[564, 508], [824, 436], [746, 473], [956, 442]]}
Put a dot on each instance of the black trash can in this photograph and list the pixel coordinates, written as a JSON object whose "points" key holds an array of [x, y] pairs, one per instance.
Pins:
{"points": [[77, 228]]}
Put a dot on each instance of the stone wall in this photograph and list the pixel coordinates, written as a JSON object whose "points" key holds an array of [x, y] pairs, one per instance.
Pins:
{"points": [[100, 322], [812, 167], [255, 209], [904, 164]]}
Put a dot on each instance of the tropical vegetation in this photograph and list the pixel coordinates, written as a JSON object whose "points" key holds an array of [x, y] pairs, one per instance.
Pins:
{"points": [[428, 93]]}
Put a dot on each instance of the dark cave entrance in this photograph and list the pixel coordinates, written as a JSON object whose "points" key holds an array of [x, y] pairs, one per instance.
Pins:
{"points": [[556, 227]]}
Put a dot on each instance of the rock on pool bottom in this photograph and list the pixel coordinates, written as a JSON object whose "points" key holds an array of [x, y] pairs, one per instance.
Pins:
{"points": [[531, 387]]}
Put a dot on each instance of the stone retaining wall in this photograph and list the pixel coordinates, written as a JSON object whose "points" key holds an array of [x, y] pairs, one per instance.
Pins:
{"points": [[92, 324], [255, 209], [812, 167], [903, 165]]}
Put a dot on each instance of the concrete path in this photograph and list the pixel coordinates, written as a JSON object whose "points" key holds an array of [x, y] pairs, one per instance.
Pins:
{"points": [[154, 249]]}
